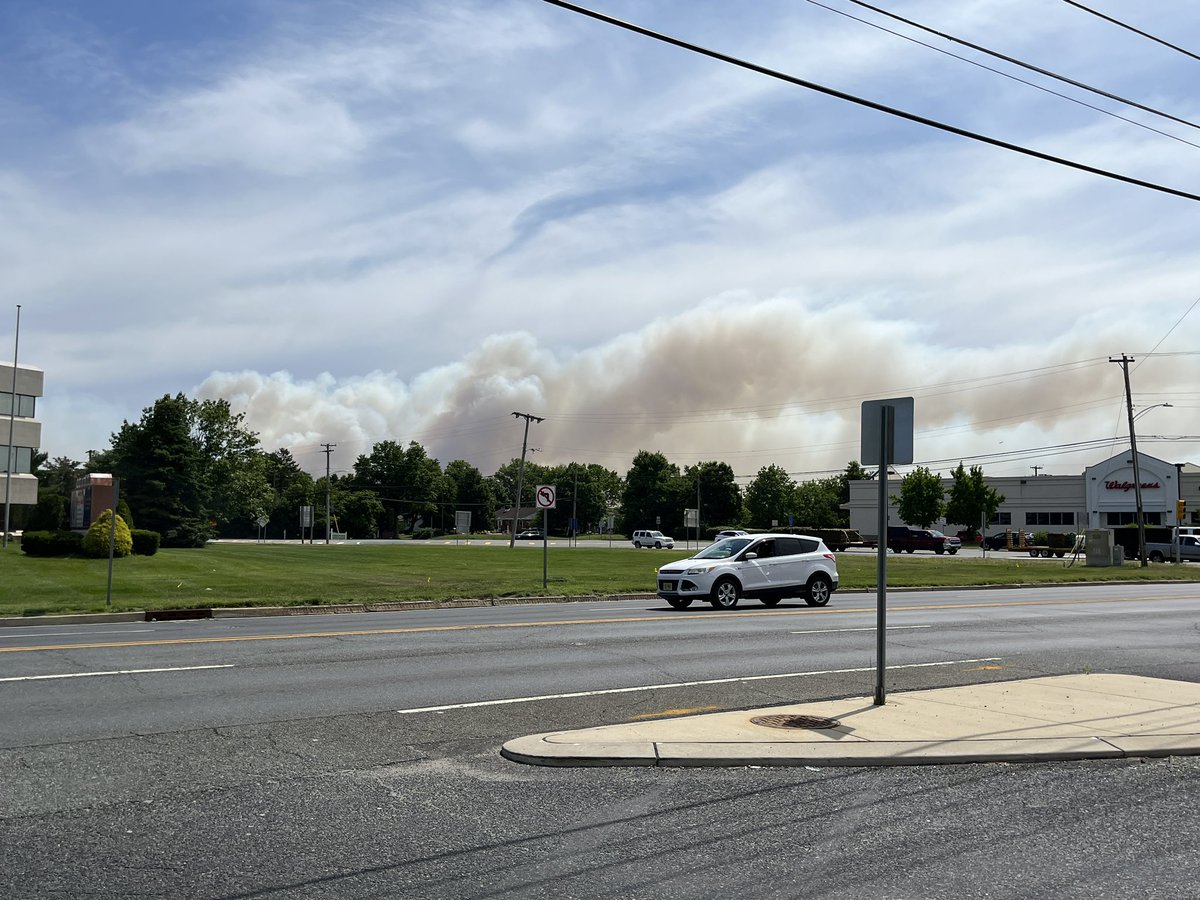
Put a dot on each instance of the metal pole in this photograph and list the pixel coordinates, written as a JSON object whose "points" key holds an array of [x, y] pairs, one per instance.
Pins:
{"points": [[328, 450], [512, 538], [887, 418], [545, 545], [575, 508], [12, 414], [1137, 472]]}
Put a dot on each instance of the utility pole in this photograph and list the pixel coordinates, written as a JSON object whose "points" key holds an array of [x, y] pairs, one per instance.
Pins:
{"points": [[575, 507], [512, 538], [12, 414], [1124, 362], [327, 449], [1036, 469]]}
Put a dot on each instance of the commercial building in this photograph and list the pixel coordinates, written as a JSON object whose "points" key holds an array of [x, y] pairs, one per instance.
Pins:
{"points": [[1102, 496], [19, 425]]}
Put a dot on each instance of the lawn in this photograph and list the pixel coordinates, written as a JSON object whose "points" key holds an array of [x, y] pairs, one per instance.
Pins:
{"points": [[292, 574]]}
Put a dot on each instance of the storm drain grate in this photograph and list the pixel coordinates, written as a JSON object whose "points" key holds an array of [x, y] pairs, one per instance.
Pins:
{"points": [[784, 721]]}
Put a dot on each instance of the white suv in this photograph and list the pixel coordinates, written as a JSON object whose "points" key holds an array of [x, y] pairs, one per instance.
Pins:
{"points": [[655, 539], [767, 567]]}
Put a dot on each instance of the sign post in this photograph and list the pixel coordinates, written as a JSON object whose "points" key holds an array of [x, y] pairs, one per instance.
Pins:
{"points": [[887, 438], [546, 497]]}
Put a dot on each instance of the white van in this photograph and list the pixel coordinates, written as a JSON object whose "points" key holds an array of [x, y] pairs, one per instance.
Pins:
{"points": [[655, 539]]}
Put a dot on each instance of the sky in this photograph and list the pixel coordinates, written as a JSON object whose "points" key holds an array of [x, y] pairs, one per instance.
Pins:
{"points": [[361, 221]]}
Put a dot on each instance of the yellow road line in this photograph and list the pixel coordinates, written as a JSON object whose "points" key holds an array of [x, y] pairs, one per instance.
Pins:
{"points": [[681, 618]]}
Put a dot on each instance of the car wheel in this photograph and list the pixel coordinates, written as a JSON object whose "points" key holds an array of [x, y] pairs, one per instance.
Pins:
{"points": [[658, 545], [637, 546], [680, 602], [909, 550], [769, 600], [1033, 553], [940, 550], [952, 551], [725, 594], [1157, 556], [819, 590]]}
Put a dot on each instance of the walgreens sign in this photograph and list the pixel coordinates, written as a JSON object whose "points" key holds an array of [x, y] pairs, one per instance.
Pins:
{"points": [[1128, 485]]}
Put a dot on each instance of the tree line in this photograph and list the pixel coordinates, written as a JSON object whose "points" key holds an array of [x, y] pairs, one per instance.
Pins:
{"points": [[191, 470]]}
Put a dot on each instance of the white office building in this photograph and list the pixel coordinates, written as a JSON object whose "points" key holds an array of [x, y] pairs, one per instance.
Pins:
{"points": [[19, 424], [1103, 496]]}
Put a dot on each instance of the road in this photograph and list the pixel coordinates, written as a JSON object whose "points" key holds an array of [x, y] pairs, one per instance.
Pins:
{"points": [[356, 756]]}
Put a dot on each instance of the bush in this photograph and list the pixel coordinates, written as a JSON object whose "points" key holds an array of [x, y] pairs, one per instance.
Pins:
{"points": [[98, 538], [51, 543], [50, 514], [125, 513], [145, 543], [189, 533]]}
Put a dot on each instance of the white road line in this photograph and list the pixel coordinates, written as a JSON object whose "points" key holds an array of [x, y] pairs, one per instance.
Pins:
{"points": [[117, 672], [25, 633], [679, 684], [872, 628]]}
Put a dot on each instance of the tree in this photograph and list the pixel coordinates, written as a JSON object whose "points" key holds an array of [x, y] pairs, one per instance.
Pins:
{"points": [[648, 500], [406, 480], [720, 496], [971, 500], [291, 488], [769, 497], [922, 498], [470, 492], [162, 474], [819, 504]]}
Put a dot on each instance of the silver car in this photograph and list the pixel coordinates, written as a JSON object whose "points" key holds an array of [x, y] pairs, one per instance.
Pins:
{"points": [[767, 567]]}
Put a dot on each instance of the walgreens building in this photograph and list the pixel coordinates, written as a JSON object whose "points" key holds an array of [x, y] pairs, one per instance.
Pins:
{"points": [[1103, 496]]}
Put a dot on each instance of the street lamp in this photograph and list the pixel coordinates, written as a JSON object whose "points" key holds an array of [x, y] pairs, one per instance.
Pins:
{"points": [[1147, 409]]}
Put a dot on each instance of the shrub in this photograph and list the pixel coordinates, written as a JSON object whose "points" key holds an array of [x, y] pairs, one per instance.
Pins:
{"points": [[125, 513], [51, 543], [50, 514], [96, 541], [145, 543], [188, 533]]}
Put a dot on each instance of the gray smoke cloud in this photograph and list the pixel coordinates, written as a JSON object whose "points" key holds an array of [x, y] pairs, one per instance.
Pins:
{"points": [[748, 382]]}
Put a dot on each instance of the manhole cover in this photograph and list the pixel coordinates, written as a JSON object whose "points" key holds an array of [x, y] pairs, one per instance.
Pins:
{"points": [[795, 722]]}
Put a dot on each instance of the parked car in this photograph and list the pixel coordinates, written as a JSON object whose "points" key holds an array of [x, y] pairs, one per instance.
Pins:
{"points": [[906, 540], [655, 539], [533, 535], [999, 541], [1187, 550], [767, 567], [728, 533]]}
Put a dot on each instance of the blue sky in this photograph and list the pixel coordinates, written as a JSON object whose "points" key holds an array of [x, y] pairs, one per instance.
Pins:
{"points": [[362, 221]]}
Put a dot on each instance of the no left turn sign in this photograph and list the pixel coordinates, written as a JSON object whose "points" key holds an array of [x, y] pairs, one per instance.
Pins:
{"points": [[546, 496]]}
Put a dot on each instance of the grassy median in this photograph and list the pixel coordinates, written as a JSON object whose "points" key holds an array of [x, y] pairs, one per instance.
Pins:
{"points": [[282, 575]]}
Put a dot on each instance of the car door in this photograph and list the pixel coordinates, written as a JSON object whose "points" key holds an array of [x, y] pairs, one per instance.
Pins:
{"points": [[798, 561], [755, 573]]}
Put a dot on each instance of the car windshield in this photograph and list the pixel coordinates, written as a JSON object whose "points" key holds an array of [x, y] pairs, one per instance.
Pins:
{"points": [[724, 549]]}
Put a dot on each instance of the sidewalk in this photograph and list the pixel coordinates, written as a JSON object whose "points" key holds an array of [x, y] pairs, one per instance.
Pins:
{"points": [[1055, 718]]}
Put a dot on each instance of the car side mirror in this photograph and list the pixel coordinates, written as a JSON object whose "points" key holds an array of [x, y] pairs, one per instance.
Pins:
{"points": [[750, 556]]}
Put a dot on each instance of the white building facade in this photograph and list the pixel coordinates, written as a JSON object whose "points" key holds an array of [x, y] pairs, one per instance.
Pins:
{"points": [[18, 422], [1103, 496]]}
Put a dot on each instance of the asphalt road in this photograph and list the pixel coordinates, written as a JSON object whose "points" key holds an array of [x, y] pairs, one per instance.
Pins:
{"points": [[357, 756]]}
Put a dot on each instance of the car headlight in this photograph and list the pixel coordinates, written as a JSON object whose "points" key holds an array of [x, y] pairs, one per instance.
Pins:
{"points": [[699, 570]]}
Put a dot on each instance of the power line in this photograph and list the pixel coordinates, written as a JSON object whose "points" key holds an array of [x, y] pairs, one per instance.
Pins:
{"points": [[1016, 62], [870, 104], [1127, 26]]}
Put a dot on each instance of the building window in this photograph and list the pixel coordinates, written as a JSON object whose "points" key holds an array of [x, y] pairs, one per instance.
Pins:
{"points": [[1115, 519], [1001, 518], [1049, 518], [25, 405], [22, 458]]}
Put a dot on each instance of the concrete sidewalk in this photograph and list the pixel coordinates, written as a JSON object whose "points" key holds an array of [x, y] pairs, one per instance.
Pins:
{"points": [[1055, 718]]}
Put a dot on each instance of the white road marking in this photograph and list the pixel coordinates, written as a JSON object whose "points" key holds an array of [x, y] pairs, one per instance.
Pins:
{"points": [[679, 684], [117, 672], [62, 633], [838, 630]]}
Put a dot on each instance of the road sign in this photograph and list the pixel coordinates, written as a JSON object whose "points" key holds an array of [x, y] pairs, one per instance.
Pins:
{"points": [[306, 516], [899, 434], [546, 496], [262, 521]]}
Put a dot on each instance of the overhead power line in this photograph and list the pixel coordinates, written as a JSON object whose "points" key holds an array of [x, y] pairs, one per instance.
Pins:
{"points": [[862, 101], [1017, 62], [1127, 26]]}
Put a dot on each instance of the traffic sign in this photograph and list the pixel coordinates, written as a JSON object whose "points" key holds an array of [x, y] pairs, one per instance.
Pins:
{"points": [[546, 496]]}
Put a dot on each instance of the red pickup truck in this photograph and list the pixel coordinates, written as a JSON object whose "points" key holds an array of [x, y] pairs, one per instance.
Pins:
{"points": [[908, 540]]}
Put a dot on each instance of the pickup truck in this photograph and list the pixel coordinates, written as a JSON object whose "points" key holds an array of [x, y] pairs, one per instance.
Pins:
{"points": [[906, 540], [1189, 550]]}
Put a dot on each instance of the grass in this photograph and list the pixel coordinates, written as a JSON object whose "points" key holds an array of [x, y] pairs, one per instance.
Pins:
{"points": [[282, 575]]}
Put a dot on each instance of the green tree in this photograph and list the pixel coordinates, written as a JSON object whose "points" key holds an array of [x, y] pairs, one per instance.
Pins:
{"points": [[921, 501], [853, 472], [819, 504], [470, 491], [648, 500], [720, 496], [407, 481], [769, 497], [971, 499], [291, 488], [162, 473]]}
